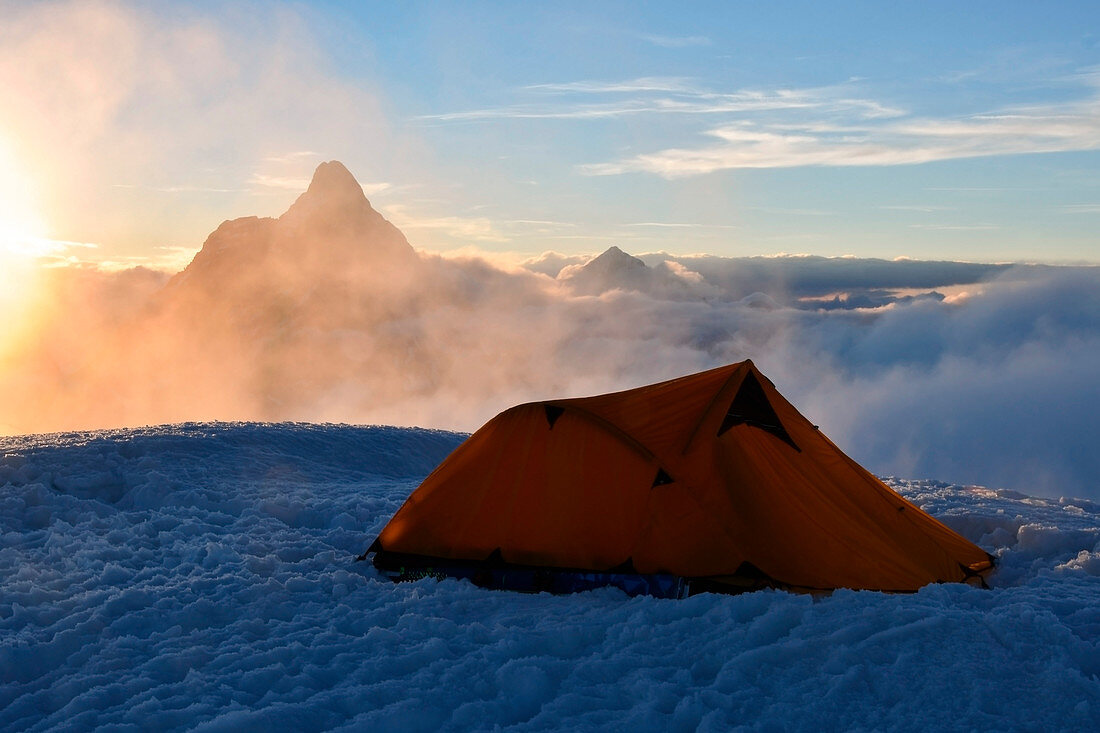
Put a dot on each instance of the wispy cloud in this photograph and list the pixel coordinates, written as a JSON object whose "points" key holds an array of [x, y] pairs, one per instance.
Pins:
{"points": [[293, 157], [956, 227], [681, 225], [666, 95], [921, 208], [753, 144], [675, 41], [373, 189], [1080, 209], [424, 223], [792, 212], [981, 188], [163, 259], [290, 183], [467, 228], [182, 188], [299, 183], [42, 247], [835, 125], [542, 222], [535, 227], [677, 84]]}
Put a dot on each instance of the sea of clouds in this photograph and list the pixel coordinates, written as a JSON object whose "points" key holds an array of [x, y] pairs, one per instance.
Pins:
{"points": [[977, 374]]}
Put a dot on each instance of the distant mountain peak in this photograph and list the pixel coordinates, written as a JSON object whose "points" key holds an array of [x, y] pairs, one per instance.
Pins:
{"points": [[330, 234], [614, 259], [612, 269], [333, 196], [332, 179]]}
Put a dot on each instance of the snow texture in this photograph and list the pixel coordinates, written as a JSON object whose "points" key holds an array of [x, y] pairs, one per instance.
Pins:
{"points": [[202, 577]]}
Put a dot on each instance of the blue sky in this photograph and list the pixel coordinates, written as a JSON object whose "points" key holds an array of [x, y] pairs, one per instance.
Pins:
{"points": [[932, 130]]}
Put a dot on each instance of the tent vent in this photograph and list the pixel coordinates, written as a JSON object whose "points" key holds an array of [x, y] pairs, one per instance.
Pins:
{"points": [[625, 567], [661, 479], [553, 412], [747, 570], [750, 406]]}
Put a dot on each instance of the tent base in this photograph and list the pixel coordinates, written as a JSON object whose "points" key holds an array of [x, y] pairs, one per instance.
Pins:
{"points": [[400, 567]]}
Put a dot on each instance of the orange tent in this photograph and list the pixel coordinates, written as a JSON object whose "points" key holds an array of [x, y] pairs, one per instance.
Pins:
{"points": [[712, 481]]}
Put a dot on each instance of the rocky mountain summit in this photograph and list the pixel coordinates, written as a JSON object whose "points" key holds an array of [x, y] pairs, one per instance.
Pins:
{"points": [[331, 237]]}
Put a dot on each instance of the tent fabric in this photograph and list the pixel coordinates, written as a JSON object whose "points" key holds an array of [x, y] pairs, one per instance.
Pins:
{"points": [[711, 477]]}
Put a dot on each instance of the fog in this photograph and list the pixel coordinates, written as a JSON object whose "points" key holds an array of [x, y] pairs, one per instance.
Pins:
{"points": [[961, 372]]}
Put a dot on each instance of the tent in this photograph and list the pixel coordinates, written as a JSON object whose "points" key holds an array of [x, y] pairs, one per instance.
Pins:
{"points": [[711, 482]]}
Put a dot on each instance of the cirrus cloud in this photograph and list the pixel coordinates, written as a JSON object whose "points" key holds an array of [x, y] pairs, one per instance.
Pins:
{"points": [[883, 141]]}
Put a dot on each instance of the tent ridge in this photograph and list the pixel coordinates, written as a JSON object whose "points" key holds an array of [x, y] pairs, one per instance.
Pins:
{"points": [[610, 427]]}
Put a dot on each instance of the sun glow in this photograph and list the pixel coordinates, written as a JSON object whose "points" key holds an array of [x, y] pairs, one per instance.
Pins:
{"points": [[22, 244]]}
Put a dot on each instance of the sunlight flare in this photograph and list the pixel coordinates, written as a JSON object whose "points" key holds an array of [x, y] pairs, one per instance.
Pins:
{"points": [[22, 243]]}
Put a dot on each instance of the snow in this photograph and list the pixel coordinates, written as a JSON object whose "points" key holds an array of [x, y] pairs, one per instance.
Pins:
{"points": [[202, 577]]}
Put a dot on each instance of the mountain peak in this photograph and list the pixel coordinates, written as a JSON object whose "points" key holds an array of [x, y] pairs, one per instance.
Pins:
{"points": [[614, 259], [333, 179], [334, 197], [331, 224], [610, 270]]}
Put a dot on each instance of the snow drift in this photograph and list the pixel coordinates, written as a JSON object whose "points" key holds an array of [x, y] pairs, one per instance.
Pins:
{"points": [[201, 577]]}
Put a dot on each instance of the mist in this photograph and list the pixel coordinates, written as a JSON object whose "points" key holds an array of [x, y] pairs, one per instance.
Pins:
{"points": [[968, 373]]}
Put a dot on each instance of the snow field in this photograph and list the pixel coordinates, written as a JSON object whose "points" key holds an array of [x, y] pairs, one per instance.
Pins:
{"points": [[202, 577]]}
